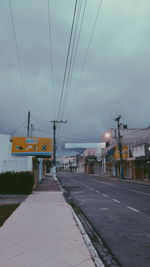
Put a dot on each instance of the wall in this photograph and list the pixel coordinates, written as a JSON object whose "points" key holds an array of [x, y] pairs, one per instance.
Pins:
{"points": [[138, 151], [10, 162], [98, 168]]}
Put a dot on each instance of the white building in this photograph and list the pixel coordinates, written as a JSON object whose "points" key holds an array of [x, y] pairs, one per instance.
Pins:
{"points": [[10, 162]]}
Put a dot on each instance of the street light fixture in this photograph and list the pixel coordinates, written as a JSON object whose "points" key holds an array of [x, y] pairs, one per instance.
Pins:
{"points": [[107, 135]]}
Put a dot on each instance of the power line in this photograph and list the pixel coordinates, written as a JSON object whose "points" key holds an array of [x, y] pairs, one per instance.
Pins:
{"points": [[85, 57], [51, 57], [41, 124], [131, 133], [77, 43], [20, 126], [37, 116], [71, 58], [78, 138], [67, 59], [39, 130], [74, 51], [18, 54]]}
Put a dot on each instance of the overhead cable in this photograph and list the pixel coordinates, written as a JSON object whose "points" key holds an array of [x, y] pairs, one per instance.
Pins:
{"points": [[18, 54], [74, 49], [85, 57], [86, 53], [51, 57], [79, 138], [67, 62], [35, 115], [39, 130], [20, 126], [67, 59]]}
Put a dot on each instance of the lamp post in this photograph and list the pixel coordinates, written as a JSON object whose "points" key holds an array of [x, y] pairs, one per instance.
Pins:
{"points": [[107, 135]]}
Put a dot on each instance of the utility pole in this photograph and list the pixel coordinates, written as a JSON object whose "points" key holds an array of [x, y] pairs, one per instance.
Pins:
{"points": [[54, 145], [28, 126], [32, 129], [117, 119]]}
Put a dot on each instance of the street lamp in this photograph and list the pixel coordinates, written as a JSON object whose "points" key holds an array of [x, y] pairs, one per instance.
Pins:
{"points": [[107, 135]]}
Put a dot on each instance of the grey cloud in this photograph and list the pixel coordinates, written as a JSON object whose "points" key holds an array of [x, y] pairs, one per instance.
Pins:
{"points": [[116, 75]]}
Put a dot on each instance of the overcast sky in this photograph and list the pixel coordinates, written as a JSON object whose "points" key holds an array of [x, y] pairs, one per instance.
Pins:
{"points": [[115, 78]]}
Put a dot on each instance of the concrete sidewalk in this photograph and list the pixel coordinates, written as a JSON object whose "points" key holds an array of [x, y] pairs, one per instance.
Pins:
{"points": [[42, 233]]}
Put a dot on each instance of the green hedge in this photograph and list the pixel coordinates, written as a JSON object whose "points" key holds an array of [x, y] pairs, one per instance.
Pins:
{"points": [[16, 183]]}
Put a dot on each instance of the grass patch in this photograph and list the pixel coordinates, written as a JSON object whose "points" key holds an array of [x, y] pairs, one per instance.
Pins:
{"points": [[5, 211]]}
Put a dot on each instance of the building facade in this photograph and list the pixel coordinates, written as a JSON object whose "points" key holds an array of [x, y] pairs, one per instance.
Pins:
{"points": [[16, 160], [135, 159], [9, 162]]}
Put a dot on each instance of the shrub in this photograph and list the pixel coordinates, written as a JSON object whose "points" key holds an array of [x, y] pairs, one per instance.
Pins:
{"points": [[16, 182]]}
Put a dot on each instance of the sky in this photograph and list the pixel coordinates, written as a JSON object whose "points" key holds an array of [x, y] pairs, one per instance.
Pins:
{"points": [[110, 75]]}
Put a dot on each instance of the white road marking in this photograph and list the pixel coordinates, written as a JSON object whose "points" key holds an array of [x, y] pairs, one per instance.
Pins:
{"points": [[139, 192], [117, 201], [91, 188], [97, 192], [104, 195], [106, 183], [131, 208]]}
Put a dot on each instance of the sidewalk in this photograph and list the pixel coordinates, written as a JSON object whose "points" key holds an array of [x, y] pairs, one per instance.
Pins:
{"points": [[134, 181], [42, 233], [129, 180]]}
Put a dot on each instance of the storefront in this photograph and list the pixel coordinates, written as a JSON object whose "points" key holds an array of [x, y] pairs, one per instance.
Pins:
{"points": [[117, 160], [89, 164]]}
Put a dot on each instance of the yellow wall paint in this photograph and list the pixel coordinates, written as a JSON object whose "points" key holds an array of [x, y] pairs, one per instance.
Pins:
{"points": [[125, 152], [32, 145]]}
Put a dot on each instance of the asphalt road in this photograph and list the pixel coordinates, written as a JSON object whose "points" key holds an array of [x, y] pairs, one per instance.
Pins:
{"points": [[119, 211]]}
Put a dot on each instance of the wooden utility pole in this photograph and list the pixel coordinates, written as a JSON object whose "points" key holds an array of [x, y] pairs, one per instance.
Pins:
{"points": [[120, 146], [32, 129], [54, 145], [28, 126]]}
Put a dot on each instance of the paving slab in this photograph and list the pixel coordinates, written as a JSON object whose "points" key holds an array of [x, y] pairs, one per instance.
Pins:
{"points": [[48, 184], [42, 233]]}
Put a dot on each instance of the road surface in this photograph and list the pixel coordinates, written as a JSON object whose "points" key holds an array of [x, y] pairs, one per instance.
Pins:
{"points": [[118, 210]]}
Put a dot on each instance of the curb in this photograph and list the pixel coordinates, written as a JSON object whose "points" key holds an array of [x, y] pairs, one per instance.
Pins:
{"points": [[133, 181], [92, 250], [60, 185], [136, 182]]}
